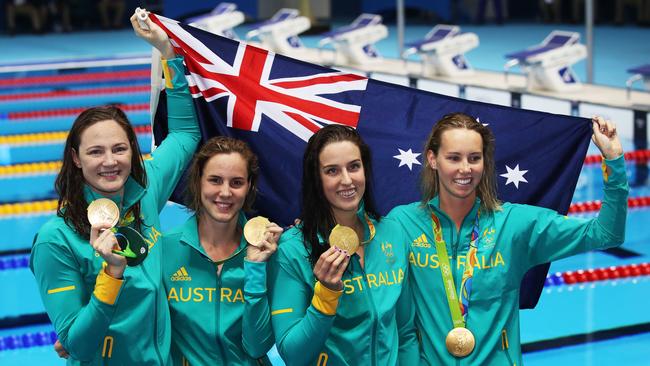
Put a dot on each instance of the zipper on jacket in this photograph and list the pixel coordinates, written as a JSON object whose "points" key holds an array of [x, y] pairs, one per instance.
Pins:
{"points": [[505, 347], [373, 346], [218, 310], [322, 359], [155, 314]]}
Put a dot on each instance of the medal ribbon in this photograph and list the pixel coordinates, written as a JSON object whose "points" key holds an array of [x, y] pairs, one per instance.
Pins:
{"points": [[458, 309]]}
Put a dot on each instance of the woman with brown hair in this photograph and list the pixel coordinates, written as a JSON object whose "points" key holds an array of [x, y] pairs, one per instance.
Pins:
{"points": [[333, 305], [102, 310], [215, 280]]}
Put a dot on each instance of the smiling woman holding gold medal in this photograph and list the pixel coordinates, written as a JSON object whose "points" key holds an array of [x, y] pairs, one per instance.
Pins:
{"points": [[338, 280], [105, 312], [214, 266], [467, 311]]}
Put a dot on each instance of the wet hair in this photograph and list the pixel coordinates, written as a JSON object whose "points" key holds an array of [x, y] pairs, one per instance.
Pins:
{"points": [[316, 215], [70, 181], [214, 146], [486, 189]]}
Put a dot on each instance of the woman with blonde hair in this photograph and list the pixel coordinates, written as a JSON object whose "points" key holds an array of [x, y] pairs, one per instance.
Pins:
{"points": [[472, 250]]}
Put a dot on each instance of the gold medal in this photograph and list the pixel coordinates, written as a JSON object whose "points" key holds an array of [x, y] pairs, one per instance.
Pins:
{"points": [[344, 238], [460, 342], [103, 211], [255, 229]]}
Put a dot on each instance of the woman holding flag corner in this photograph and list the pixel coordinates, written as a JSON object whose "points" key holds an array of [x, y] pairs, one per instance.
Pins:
{"points": [[470, 251], [102, 310]]}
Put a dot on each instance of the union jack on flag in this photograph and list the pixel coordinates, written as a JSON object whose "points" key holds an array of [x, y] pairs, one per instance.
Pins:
{"points": [[275, 103], [253, 88]]}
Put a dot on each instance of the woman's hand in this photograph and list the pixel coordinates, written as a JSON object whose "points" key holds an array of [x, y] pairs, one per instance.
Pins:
{"points": [[267, 247], [58, 348], [104, 242], [606, 138], [154, 35], [330, 267]]}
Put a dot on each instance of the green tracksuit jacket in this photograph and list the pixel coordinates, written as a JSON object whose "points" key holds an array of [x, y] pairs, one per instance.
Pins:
{"points": [[98, 319], [216, 319], [511, 241], [373, 324]]}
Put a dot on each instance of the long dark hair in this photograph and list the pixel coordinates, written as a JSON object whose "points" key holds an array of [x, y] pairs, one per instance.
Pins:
{"points": [[317, 216], [70, 182], [487, 187], [214, 146]]}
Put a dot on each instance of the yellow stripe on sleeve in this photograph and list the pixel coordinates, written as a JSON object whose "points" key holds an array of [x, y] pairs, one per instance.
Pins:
{"points": [[168, 75], [60, 289], [282, 311]]}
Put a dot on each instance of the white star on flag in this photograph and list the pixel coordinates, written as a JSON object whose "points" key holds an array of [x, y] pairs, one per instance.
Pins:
{"points": [[407, 158], [515, 176]]}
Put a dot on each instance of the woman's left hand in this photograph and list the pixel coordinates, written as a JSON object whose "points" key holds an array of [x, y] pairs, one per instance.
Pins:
{"points": [[606, 138], [267, 247]]}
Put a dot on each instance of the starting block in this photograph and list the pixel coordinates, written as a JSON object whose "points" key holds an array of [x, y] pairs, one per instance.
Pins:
{"points": [[220, 21], [356, 41], [548, 65], [280, 33], [639, 73], [443, 51]]}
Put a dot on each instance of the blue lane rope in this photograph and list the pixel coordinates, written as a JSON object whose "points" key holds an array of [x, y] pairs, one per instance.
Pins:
{"points": [[14, 262], [27, 340]]}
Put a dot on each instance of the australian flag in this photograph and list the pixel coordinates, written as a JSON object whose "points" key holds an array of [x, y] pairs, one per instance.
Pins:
{"points": [[276, 103]]}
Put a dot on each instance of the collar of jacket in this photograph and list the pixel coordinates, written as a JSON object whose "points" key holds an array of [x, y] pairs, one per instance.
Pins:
{"points": [[133, 192], [190, 235], [434, 205]]}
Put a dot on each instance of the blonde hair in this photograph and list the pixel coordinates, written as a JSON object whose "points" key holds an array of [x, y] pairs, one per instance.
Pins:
{"points": [[486, 189]]}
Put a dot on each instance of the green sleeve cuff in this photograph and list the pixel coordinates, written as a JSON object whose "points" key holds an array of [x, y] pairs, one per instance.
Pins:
{"points": [[255, 274]]}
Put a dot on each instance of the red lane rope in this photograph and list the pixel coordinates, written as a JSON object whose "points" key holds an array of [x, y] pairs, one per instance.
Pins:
{"points": [[75, 78], [72, 93], [70, 111], [591, 206], [142, 129], [606, 273], [640, 156]]}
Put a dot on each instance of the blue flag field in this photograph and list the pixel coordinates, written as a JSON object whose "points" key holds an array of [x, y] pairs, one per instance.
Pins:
{"points": [[276, 103]]}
